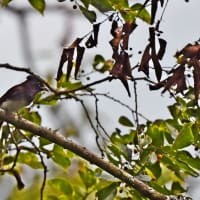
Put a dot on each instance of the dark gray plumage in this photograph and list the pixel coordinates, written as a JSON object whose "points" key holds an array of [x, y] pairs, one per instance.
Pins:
{"points": [[21, 95]]}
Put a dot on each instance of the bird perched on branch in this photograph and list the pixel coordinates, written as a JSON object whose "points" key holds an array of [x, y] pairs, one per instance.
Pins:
{"points": [[21, 95]]}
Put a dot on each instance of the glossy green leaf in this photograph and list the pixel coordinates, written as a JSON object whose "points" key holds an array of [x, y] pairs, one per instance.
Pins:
{"points": [[155, 169], [61, 185], [159, 188], [123, 120], [31, 115], [89, 14], [174, 111], [60, 156], [141, 12], [144, 156], [118, 151], [52, 197], [39, 5], [135, 11], [44, 142], [30, 159], [108, 192], [168, 162], [196, 131], [88, 177], [177, 188], [156, 131], [68, 85], [112, 158], [186, 168], [49, 100], [119, 4], [86, 2], [136, 195], [103, 5], [8, 160], [186, 157], [184, 138]]}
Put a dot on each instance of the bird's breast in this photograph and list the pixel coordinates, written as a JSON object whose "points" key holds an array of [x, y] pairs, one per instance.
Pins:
{"points": [[13, 106]]}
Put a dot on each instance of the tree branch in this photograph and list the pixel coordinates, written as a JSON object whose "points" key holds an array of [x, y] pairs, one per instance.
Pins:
{"points": [[55, 137]]}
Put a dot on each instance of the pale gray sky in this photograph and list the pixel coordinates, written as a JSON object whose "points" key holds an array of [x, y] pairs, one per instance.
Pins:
{"points": [[180, 25]]}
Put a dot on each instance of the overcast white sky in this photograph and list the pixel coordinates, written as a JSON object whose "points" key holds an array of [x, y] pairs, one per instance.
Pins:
{"points": [[180, 25]]}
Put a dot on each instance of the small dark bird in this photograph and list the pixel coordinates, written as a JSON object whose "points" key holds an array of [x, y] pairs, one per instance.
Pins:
{"points": [[21, 95]]}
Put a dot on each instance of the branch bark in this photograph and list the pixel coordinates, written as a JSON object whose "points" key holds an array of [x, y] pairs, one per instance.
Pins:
{"points": [[83, 152]]}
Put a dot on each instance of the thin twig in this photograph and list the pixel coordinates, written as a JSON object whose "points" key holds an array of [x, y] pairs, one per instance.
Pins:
{"points": [[136, 103], [12, 170], [91, 124], [123, 104], [42, 162], [97, 117]]}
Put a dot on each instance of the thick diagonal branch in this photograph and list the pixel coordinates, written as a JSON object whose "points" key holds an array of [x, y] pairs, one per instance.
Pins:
{"points": [[83, 152]]}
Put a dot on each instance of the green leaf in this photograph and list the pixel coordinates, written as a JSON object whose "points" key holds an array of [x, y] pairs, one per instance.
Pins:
{"points": [[39, 5], [139, 11], [123, 120], [89, 14], [156, 132], [44, 142], [123, 139], [174, 111], [169, 162], [120, 4], [112, 158], [101, 65], [119, 151], [86, 3], [144, 156], [49, 100], [52, 197], [155, 169], [5, 2], [31, 115], [177, 188], [186, 168], [8, 160], [108, 192], [68, 84], [103, 5], [88, 177], [159, 188], [135, 11], [60, 156], [187, 158], [29, 159], [61, 185], [185, 137]]}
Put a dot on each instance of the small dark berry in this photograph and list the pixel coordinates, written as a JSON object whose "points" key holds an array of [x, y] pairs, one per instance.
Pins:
{"points": [[135, 151], [74, 6]]}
